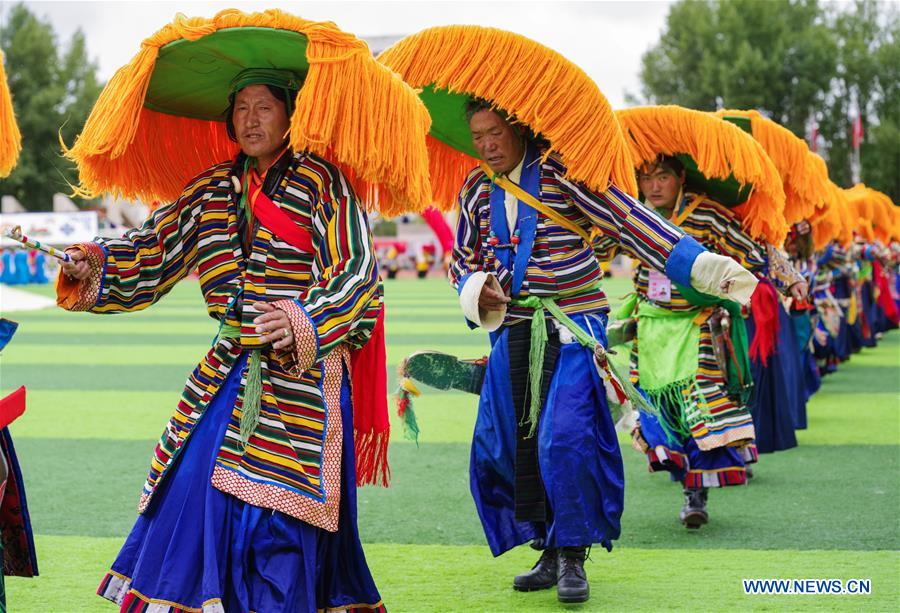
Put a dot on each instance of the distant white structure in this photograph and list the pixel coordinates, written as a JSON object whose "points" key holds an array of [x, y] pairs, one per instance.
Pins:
{"points": [[127, 213], [9, 204], [59, 229], [62, 204]]}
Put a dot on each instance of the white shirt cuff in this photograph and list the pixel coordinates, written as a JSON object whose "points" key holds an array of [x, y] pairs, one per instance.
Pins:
{"points": [[711, 270], [468, 299]]}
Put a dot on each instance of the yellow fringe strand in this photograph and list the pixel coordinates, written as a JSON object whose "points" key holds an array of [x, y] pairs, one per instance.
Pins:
{"points": [[10, 139], [803, 178], [720, 149], [534, 84], [351, 110]]}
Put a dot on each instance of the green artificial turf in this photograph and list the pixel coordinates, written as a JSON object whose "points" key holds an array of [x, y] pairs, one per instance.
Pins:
{"points": [[441, 579], [101, 390]]}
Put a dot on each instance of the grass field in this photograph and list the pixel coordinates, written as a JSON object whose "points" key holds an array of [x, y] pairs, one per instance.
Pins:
{"points": [[100, 390]]}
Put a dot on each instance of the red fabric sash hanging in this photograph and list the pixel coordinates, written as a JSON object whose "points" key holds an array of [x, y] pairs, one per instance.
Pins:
{"points": [[884, 298], [764, 307]]}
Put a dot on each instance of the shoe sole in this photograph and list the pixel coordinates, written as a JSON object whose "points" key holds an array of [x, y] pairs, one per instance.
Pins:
{"points": [[573, 599], [693, 521], [532, 589]]}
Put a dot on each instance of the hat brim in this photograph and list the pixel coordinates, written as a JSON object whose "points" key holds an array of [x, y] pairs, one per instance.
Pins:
{"points": [[448, 118], [192, 78], [729, 192]]}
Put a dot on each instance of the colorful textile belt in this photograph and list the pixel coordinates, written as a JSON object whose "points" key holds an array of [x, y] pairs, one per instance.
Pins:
{"points": [[252, 387]]}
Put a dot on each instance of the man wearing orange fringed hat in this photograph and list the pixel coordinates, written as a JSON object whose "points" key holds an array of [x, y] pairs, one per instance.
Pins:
{"points": [[536, 162], [546, 464], [250, 501]]}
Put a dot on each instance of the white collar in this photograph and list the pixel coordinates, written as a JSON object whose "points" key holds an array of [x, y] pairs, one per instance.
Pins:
{"points": [[516, 173]]}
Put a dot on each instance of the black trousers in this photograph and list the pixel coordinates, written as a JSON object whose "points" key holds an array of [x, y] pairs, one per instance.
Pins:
{"points": [[530, 497]]}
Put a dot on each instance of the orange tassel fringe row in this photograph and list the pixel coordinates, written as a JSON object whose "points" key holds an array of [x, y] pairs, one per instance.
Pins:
{"points": [[10, 139], [534, 84], [351, 110], [720, 149]]}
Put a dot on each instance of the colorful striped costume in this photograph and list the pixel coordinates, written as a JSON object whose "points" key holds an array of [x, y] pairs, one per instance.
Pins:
{"points": [[565, 484], [709, 422], [560, 264], [292, 462]]}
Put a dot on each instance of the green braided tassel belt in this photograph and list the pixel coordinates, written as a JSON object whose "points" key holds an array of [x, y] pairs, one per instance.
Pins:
{"points": [[252, 388], [539, 340]]}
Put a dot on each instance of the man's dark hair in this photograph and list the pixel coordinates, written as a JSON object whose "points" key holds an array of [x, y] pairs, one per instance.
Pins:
{"points": [[284, 96], [666, 162], [476, 105]]}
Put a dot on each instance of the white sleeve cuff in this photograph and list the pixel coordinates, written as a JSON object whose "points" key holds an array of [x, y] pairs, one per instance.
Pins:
{"points": [[468, 299], [710, 271]]}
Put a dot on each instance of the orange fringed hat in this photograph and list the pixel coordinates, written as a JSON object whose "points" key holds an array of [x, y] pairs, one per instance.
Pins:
{"points": [[803, 178], [873, 212], [834, 221], [160, 119], [535, 85], [720, 159], [10, 139]]}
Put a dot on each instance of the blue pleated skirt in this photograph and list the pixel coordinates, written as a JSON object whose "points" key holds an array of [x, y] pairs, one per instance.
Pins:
{"points": [[777, 390], [578, 453], [197, 548]]}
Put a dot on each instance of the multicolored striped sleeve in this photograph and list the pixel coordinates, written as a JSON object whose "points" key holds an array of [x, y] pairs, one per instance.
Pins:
{"points": [[466, 257], [637, 229], [604, 247], [344, 273], [142, 266], [723, 233]]}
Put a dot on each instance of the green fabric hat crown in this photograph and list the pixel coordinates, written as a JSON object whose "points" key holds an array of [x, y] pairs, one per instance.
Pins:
{"points": [[283, 79]]}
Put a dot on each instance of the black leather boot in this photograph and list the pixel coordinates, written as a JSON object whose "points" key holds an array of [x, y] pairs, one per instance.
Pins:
{"points": [[541, 576], [572, 585], [693, 513]]}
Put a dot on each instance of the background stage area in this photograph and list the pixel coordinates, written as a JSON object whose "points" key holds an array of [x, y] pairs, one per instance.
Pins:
{"points": [[100, 390]]}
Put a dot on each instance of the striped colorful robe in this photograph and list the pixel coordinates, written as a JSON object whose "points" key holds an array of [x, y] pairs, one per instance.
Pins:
{"points": [[729, 422], [573, 461], [332, 297], [561, 265]]}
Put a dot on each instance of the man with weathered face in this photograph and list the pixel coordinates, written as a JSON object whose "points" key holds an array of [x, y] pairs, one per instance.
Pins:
{"points": [[287, 269], [545, 464]]}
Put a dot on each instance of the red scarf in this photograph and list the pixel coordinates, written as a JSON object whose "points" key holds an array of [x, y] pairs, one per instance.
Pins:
{"points": [[368, 365], [764, 309]]}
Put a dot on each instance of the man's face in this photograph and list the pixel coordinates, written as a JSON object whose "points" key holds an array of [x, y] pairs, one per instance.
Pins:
{"points": [[660, 186], [496, 142], [260, 123]]}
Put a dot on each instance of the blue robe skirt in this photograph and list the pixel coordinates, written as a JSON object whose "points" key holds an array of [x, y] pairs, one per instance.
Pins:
{"points": [[197, 548], [777, 390], [578, 452]]}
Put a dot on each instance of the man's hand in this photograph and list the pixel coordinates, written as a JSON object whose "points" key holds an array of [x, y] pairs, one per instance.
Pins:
{"points": [[78, 267], [273, 326], [492, 299], [800, 291]]}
